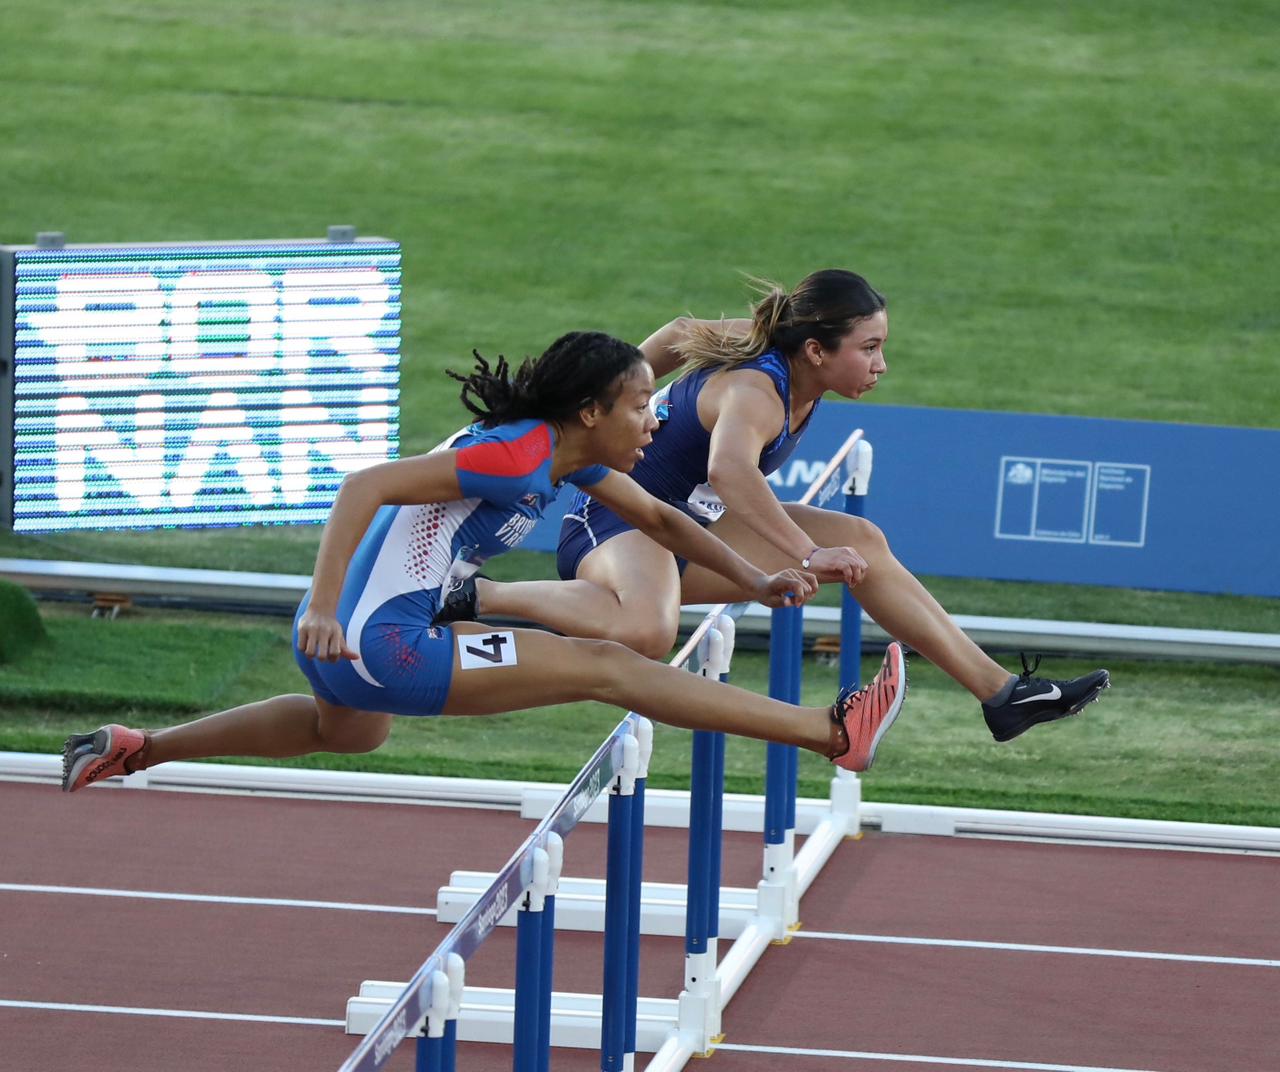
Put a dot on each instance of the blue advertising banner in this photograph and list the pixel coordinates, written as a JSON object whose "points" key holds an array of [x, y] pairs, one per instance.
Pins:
{"points": [[1026, 497]]}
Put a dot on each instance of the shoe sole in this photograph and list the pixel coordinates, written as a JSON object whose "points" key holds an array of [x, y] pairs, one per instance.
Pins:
{"points": [[897, 656], [895, 708], [1092, 696], [72, 765]]}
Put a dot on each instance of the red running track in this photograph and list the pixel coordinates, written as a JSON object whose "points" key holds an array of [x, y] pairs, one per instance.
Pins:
{"points": [[834, 998]]}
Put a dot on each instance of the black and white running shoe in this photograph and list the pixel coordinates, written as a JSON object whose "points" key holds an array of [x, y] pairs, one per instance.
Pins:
{"points": [[458, 604], [1037, 699]]}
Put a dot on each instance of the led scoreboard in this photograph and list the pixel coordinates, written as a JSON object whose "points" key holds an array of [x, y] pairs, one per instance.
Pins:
{"points": [[194, 385]]}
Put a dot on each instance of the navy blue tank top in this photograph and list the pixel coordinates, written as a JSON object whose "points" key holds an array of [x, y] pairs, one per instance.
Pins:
{"points": [[675, 464]]}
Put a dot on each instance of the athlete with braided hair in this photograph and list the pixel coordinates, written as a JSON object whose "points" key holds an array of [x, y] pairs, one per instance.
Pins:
{"points": [[403, 533], [747, 391]]}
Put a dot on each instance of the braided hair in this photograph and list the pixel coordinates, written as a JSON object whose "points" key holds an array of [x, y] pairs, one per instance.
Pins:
{"points": [[577, 369], [824, 306]]}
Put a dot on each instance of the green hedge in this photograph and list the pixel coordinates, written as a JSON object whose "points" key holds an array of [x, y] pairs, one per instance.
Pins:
{"points": [[20, 624]]}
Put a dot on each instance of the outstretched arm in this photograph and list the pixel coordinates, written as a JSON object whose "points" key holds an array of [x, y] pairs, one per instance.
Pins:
{"points": [[683, 536], [409, 481]]}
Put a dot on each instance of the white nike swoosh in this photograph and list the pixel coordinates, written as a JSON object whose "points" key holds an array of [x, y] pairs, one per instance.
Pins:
{"points": [[1052, 694]]}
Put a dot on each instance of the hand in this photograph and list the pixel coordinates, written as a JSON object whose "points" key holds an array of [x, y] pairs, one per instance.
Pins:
{"points": [[320, 637], [839, 563], [787, 588]]}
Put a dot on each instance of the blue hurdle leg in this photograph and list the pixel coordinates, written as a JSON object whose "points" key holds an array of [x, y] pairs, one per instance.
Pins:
{"points": [[545, 984], [429, 1053], [449, 1058], [855, 504], [528, 981], [616, 926], [633, 918]]}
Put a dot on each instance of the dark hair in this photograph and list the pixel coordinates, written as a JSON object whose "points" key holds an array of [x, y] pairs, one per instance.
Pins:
{"points": [[577, 369], [823, 306]]}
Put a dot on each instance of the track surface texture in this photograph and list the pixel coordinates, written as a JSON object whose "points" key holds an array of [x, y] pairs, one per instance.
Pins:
{"points": [[915, 953]]}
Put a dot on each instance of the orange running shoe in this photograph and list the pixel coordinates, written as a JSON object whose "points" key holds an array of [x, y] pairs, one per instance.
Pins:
{"points": [[868, 712], [91, 757]]}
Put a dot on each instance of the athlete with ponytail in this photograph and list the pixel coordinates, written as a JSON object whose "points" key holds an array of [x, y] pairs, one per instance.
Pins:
{"points": [[748, 389], [403, 533]]}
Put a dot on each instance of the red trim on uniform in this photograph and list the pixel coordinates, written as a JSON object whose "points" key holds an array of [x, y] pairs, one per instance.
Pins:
{"points": [[515, 457]]}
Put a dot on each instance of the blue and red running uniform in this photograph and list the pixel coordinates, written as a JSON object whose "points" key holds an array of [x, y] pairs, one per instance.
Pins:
{"points": [[410, 554], [674, 467]]}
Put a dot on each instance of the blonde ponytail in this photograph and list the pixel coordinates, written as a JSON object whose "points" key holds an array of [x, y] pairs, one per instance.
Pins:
{"points": [[716, 345], [824, 306]]}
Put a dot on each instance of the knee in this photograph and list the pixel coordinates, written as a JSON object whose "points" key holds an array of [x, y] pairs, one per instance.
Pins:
{"points": [[605, 666], [652, 639], [353, 732], [865, 536]]}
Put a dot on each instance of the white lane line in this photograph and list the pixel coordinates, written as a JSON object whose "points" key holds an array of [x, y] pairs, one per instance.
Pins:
{"points": [[1017, 947], [177, 1014], [955, 1062], [276, 902]]}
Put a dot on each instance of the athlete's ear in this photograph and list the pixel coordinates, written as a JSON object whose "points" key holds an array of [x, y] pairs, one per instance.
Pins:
{"points": [[589, 414], [813, 351]]}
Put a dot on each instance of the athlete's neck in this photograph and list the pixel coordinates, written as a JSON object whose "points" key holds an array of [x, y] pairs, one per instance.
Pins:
{"points": [[570, 451], [805, 389]]}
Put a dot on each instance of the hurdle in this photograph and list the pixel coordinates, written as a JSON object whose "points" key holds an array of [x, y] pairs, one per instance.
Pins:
{"points": [[619, 1021], [429, 1005]]}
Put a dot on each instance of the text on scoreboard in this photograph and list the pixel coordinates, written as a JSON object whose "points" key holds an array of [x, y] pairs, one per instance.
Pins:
{"points": [[196, 385]]}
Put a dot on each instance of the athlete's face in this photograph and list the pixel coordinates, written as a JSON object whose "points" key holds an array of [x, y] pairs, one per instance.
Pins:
{"points": [[857, 363], [622, 433]]}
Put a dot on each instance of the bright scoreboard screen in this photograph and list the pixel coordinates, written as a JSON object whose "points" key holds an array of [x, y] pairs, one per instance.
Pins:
{"points": [[195, 385]]}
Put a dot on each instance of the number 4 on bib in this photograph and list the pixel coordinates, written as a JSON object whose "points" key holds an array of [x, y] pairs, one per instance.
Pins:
{"points": [[479, 650]]}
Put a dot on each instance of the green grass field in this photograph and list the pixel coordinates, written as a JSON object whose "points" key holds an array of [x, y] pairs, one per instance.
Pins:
{"points": [[1071, 209], [1168, 740]]}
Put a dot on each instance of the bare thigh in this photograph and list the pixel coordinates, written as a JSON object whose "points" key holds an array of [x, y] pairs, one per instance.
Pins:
{"points": [[511, 669], [358, 731], [646, 582]]}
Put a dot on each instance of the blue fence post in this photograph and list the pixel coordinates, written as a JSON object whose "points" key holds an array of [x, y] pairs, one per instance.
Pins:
{"points": [[428, 1055], [617, 894], [846, 789], [555, 861], [700, 1001], [528, 999], [855, 503], [644, 739], [704, 835], [728, 629], [785, 652]]}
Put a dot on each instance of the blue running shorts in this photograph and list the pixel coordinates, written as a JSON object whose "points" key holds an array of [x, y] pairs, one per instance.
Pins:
{"points": [[586, 528], [411, 659]]}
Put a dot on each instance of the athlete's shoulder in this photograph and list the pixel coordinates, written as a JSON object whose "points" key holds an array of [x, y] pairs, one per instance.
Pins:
{"points": [[512, 450], [771, 363]]}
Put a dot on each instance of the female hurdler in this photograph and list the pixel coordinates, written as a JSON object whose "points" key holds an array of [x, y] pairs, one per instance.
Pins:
{"points": [[747, 392], [403, 532]]}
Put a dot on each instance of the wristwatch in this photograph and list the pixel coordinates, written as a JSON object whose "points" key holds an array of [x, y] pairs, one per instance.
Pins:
{"points": [[804, 562]]}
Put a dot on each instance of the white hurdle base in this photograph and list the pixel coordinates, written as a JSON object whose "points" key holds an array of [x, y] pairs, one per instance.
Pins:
{"points": [[580, 901], [488, 1015], [580, 904]]}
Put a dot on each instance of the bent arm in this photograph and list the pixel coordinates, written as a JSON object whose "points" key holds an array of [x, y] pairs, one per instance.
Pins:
{"points": [[407, 482], [747, 416]]}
